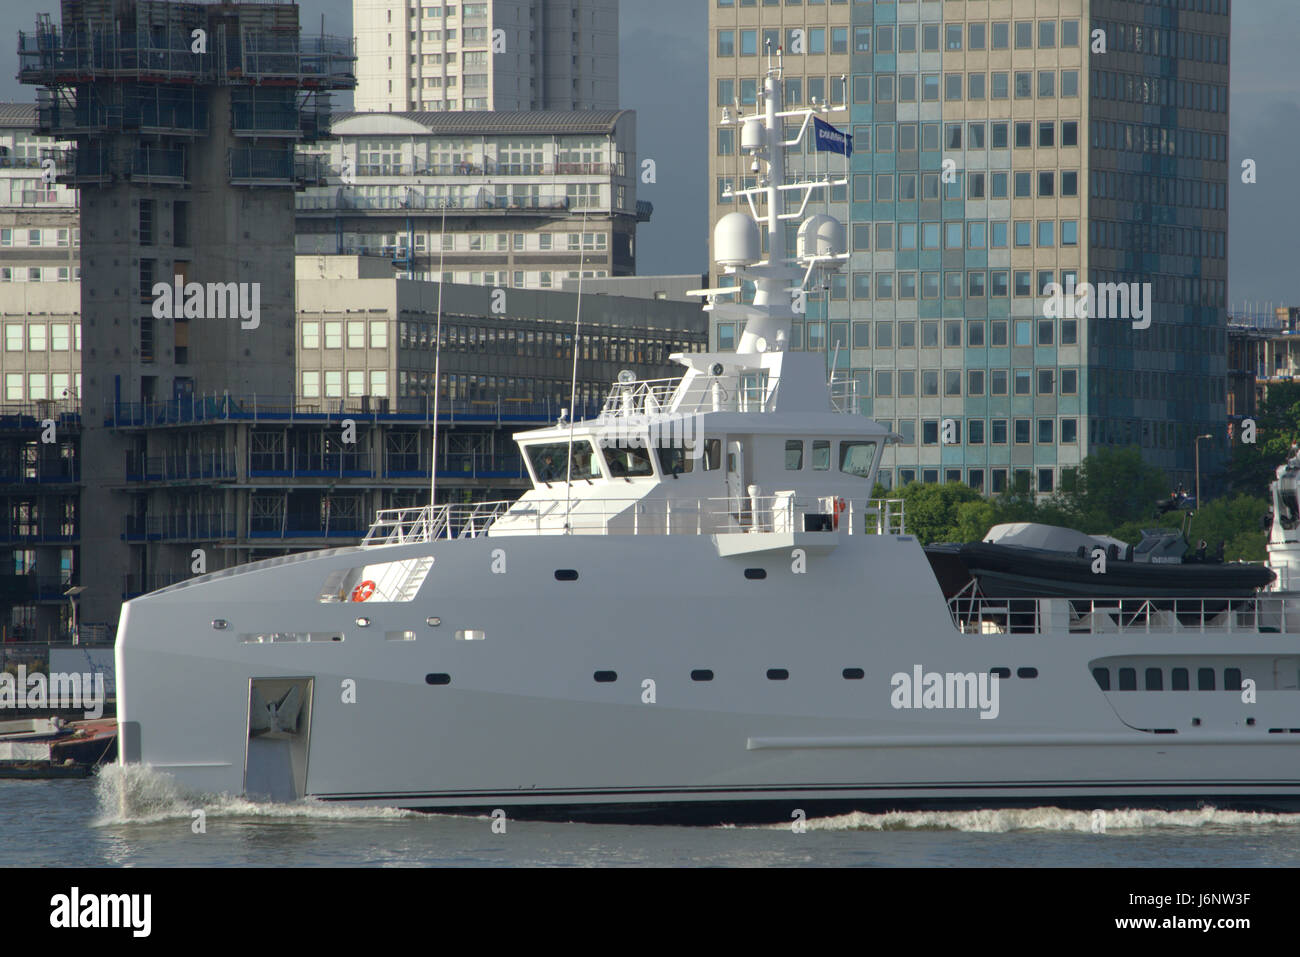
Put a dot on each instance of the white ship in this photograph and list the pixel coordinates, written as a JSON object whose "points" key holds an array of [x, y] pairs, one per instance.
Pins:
{"points": [[700, 612]]}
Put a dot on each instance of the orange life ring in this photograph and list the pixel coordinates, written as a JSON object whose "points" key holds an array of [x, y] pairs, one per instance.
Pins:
{"points": [[840, 505], [363, 590]]}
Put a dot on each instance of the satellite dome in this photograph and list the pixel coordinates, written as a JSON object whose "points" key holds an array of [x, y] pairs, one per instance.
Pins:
{"points": [[820, 235], [736, 241]]}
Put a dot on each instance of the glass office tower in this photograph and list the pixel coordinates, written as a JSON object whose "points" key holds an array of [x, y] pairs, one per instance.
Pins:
{"points": [[1000, 147]]}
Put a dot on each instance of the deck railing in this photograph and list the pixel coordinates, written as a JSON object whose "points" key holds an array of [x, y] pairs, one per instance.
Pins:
{"points": [[612, 516], [974, 614]]}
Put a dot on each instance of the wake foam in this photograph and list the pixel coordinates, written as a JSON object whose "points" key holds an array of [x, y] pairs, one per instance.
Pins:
{"points": [[1049, 819], [135, 794]]}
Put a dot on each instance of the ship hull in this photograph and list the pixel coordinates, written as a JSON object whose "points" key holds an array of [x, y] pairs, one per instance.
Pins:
{"points": [[587, 698]]}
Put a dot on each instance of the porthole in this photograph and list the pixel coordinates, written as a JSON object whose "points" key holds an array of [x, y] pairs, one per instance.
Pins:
{"points": [[1000, 672], [701, 674], [854, 674], [220, 624], [566, 574], [363, 622], [777, 674], [1026, 672], [605, 676], [755, 574], [433, 622], [437, 678]]}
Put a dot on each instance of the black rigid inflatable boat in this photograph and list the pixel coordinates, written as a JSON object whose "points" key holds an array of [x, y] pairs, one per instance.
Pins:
{"points": [[1043, 561]]}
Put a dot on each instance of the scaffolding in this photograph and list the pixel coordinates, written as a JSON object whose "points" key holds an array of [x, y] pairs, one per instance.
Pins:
{"points": [[161, 47]]}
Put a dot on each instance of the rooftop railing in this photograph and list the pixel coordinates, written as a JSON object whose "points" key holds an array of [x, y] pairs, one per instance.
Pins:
{"points": [[785, 513], [642, 397]]}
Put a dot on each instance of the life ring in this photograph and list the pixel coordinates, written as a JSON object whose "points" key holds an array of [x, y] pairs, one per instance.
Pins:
{"points": [[840, 505], [363, 590]]}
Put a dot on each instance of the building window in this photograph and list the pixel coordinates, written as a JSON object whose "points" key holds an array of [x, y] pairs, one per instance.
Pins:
{"points": [[334, 335], [311, 385], [36, 337], [311, 335]]}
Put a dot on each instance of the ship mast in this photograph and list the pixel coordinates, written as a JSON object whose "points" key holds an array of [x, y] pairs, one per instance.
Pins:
{"points": [[780, 278]]}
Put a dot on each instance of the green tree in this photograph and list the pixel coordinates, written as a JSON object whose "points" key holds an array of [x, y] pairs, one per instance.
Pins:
{"points": [[974, 519], [931, 510], [1277, 428], [1114, 486]]}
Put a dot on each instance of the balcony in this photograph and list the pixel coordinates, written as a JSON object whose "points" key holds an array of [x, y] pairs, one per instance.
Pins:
{"points": [[153, 165], [298, 463], [259, 166], [55, 56], [198, 410], [54, 472], [181, 467], [184, 528], [343, 199]]}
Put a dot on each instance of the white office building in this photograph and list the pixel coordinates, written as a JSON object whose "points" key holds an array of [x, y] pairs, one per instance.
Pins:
{"points": [[444, 55]]}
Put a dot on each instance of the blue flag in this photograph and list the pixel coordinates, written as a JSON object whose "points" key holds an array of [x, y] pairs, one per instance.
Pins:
{"points": [[830, 139]]}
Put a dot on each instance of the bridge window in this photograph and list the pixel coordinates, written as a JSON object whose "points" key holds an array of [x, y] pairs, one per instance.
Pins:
{"points": [[1102, 677], [1128, 679], [1205, 679], [677, 460], [1232, 679], [712, 455], [1180, 680], [821, 455], [856, 458], [793, 455], [548, 460], [1155, 680], [626, 461]]}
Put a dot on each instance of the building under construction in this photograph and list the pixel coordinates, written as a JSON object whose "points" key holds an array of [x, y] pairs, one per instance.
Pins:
{"points": [[185, 118]]}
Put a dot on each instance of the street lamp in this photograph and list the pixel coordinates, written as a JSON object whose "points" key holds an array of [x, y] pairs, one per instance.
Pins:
{"points": [[1198, 469], [71, 594]]}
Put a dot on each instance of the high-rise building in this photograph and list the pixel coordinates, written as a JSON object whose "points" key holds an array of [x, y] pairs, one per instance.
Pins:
{"points": [[439, 55], [517, 199], [999, 148], [184, 118]]}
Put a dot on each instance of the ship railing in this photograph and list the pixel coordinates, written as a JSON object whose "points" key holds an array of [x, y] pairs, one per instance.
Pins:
{"points": [[641, 397], [974, 614], [780, 513]]}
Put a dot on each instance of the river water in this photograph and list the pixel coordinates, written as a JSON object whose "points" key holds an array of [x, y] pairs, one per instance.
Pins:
{"points": [[138, 818]]}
